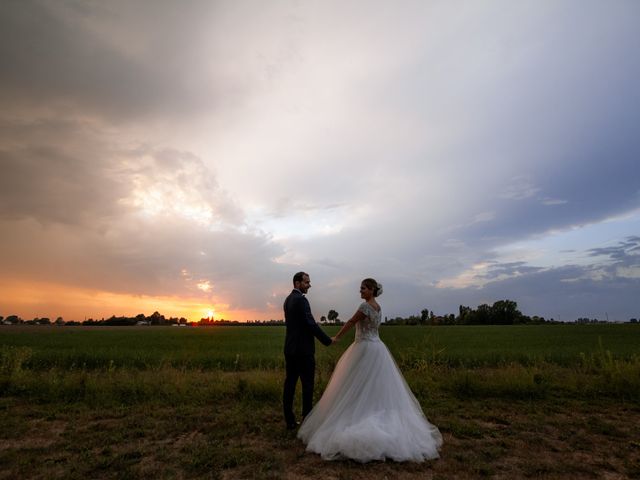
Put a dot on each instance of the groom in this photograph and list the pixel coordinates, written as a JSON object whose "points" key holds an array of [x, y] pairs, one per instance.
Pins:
{"points": [[299, 348]]}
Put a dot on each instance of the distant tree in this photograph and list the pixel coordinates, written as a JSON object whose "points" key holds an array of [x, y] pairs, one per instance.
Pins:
{"points": [[156, 319], [393, 321], [59, 321], [424, 316], [332, 316], [505, 312], [119, 321], [463, 313], [13, 319], [535, 320], [483, 314], [323, 319]]}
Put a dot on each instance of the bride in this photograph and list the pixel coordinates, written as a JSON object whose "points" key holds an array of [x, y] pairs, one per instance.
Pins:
{"points": [[367, 411]]}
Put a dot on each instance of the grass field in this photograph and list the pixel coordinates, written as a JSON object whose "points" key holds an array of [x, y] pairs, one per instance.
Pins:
{"points": [[560, 401]]}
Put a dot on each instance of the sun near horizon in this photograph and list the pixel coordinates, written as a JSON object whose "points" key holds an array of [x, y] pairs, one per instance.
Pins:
{"points": [[31, 300]]}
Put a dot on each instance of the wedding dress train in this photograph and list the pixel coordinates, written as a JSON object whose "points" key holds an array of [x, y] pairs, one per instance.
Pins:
{"points": [[367, 411]]}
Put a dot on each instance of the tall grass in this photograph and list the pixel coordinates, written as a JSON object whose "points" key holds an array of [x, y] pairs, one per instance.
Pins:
{"points": [[203, 366]]}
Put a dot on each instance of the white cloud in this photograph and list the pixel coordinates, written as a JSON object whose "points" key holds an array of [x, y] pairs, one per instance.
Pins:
{"points": [[519, 188], [205, 286], [553, 201]]}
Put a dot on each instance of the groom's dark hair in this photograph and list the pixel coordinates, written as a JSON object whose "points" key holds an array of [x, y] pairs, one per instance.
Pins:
{"points": [[298, 277]]}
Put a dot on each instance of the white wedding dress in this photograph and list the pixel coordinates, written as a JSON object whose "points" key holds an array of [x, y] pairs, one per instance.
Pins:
{"points": [[367, 411]]}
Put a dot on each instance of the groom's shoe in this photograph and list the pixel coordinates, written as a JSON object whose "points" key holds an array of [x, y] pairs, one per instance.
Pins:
{"points": [[293, 426]]}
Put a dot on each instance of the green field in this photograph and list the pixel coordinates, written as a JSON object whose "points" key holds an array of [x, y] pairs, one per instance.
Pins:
{"points": [[245, 348], [547, 401]]}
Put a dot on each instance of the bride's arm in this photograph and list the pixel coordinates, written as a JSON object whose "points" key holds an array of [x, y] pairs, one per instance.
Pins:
{"points": [[350, 323]]}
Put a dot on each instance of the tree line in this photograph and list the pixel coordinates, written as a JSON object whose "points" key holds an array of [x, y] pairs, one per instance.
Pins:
{"points": [[502, 312], [155, 318]]}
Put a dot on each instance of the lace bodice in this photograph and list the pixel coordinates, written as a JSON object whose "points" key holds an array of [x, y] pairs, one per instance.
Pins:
{"points": [[367, 328]]}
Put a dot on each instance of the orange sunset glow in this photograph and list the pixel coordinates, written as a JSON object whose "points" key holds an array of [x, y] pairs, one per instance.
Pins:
{"points": [[35, 300]]}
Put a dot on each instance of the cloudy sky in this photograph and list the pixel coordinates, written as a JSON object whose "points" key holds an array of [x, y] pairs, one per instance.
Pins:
{"points": [[191, 156]]}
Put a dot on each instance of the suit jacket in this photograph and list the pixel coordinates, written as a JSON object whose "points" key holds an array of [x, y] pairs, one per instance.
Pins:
{"points": [[301, 327]]}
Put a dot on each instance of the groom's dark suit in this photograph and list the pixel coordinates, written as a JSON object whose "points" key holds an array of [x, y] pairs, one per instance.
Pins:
{"points": [[299, 350]]}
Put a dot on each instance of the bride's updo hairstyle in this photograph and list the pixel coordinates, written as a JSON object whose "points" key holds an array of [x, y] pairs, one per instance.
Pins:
{"points": [[371, 284]]}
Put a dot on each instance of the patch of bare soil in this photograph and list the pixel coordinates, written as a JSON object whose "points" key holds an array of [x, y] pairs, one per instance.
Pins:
{"points": [[503, 440], [578, 441], [39, 434]]}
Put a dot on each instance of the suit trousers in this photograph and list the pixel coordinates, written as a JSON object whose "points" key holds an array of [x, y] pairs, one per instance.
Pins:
{"points": [[304, 368]]}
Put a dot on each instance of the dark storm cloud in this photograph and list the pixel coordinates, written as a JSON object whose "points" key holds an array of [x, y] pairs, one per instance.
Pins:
{"points": [[54, 54], [623, 253], [46, 59], [57, 172]]}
